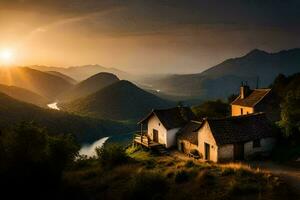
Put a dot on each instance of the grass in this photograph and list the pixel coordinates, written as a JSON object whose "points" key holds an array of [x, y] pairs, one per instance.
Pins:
{"points": [[166, 177]]}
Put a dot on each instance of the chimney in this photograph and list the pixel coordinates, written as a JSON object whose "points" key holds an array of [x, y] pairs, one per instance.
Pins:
{"points": [[244, 90]]}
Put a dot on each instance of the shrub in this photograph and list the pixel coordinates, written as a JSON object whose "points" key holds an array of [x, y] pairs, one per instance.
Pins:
{"points": [[147, 186], [132, 149], [181, 176], [111, 155], [189, 164]]}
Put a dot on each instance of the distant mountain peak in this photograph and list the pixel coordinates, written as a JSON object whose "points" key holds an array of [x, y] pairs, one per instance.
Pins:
{"points": [[256, 52]]}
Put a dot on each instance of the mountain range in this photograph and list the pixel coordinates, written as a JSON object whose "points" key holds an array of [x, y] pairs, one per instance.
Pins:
{"points": [[119, 101], [47, 85], [24, 95], [257, 68], [85, 129], [80, 73], [89, 86]]}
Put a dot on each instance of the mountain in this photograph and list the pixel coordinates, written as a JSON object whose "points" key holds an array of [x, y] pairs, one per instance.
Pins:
{"points": [[24, 95], [119, 101], [224, 79], [42, 83], [90, 85], [85, 129], [80, 73], [63, 76]]}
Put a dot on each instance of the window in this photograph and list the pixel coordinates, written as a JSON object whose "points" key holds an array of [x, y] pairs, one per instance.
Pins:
{"points": [[242, 112], [256, 143]]}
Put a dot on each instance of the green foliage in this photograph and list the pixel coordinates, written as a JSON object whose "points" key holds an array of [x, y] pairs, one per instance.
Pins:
{"points": [[30, 158], [147, 186], [211, 109], [111, 155], [290, 114]]}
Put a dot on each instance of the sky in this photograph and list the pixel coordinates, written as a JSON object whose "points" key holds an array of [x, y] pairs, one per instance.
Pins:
{"points": [[145, 36]]}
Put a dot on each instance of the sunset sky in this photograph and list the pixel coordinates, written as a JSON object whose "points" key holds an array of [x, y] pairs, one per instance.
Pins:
{"points": [[167, 36]]}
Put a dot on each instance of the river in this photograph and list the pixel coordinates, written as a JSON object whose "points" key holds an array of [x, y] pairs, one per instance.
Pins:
{"points": [[90, 150], [53, 106]]}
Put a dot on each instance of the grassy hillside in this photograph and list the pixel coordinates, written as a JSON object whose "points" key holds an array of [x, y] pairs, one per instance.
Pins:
{"points": [[24, 95], [42, 83], [85, 129], [224, 79], [147, 176], [90, 85], [119, 101]]}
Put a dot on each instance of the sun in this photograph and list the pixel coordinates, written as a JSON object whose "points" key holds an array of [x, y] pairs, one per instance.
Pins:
{"points": [[6, 56]]}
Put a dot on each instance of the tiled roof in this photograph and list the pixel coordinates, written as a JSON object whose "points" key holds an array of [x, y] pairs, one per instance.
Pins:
{"points": [[252, 99], [190, 132], [241, 128], [172, 118]]}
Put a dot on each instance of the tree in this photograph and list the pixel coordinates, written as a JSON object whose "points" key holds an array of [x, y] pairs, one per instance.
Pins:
{"points": [[31, 159], [211, 109], [290, 114], [111, 155]]}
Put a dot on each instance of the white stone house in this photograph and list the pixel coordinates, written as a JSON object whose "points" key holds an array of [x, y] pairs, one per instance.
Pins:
{"points": [[230, 138], [163, 125]]}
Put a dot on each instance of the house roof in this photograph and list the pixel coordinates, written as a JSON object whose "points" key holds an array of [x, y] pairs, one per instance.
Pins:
{"points": [[172, 118], [240, 128], [190, 132], [252, 99]]}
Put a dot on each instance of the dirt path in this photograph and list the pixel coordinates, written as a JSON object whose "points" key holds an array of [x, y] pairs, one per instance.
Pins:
{"points": [[290, 174]]}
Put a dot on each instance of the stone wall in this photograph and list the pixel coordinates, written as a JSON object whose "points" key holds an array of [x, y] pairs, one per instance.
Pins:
{"points": [[205, 136], [267, 145], [225, 152], [188, 147]]}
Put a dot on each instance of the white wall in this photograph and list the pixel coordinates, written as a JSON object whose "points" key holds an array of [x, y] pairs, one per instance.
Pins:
{"points": [[171, 137], [267, 145], [166, 137], [205, 136]]}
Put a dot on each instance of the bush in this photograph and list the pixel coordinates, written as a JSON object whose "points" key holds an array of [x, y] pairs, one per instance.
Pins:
{"points": [[189, 164], [181, 176], [111, 155], [147, 186]]}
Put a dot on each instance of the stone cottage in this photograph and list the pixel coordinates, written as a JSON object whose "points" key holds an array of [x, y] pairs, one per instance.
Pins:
{"points": [[257, 100], [230, 138], [162, 126]]}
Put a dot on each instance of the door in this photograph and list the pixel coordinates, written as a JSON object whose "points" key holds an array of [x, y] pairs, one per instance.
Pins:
{"points": [[238, 151], [207, 151], [182, 147], [155, 135]]}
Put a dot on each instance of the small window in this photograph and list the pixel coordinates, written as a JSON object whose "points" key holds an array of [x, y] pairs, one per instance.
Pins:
{"points": [[158, 124], [256, 143], [242, 111]]}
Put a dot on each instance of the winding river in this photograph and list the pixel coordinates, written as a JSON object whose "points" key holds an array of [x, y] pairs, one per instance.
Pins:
{"points": [[53, 106]]}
